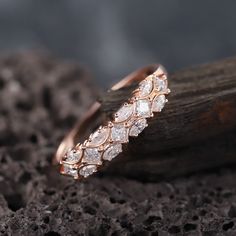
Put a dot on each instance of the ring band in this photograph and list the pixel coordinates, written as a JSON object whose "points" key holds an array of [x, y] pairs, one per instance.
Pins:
{"points": [[81, 159]]}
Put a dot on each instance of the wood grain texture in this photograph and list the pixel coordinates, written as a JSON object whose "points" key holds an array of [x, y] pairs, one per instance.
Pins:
{"points": [[195, 131]]}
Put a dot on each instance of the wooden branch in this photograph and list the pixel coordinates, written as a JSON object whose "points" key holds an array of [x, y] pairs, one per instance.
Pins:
{"points": [[195, 131]]}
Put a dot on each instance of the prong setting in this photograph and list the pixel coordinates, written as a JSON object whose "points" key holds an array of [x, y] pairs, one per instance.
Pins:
{"points": [[130, 120]]}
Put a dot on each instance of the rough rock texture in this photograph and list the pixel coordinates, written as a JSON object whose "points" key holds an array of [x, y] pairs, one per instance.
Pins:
{"points": [[40, 99]]}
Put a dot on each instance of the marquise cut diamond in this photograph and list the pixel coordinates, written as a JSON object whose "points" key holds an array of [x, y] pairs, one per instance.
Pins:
{"points": [[99, 137], [137, 127], [158, 103], [145, 87], [112, 151], [87, 170], [124, 112]]}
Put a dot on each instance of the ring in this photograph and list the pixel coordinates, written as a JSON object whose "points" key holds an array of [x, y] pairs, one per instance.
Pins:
{"points": [[80, 159]]}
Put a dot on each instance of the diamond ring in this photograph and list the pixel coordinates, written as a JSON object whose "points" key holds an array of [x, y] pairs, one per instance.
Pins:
{"points": [[80, 159]]}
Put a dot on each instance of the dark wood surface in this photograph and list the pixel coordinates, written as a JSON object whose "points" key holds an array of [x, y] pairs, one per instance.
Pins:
{"points": [[195, 131]]}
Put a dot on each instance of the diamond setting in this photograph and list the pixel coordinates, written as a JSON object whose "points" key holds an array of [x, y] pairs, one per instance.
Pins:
{"points": [[145, 87], [124, 112], [137, 127], [98, 137], [130, 120], [158, 103], [87, 170], [160, 84], [143, 108], [119, 133], [92, 156], [73, 156], [112, 151], [70, 170]]}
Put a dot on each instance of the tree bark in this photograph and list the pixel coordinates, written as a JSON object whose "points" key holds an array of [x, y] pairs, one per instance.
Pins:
{"points": [[195, 131]]}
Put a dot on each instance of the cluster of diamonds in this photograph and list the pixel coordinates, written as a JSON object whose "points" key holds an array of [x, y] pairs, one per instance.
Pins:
{"points": [[130, 120]]}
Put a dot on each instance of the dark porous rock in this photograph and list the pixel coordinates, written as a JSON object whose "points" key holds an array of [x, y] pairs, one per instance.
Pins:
{"points": [[41, 97]]}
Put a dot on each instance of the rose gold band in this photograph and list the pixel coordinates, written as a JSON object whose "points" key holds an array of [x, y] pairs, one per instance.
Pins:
{"points": [[81, 160]]}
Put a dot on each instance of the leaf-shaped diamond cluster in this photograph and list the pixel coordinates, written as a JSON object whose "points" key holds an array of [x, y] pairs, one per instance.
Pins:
{"points": [[129, 121]]}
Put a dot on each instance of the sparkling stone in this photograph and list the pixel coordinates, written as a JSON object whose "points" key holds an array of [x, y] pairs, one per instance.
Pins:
{"points": [[92, 156], [124, 112], [119, 133], [99, 137], [158, 103], [69, 170], [160, 84], [87, 170], [145, 87], [138, 127], [143, 108], [73, 156], [112, 151]]}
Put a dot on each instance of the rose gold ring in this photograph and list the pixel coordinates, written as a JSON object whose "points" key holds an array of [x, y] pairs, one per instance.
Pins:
{"points": [[79, 158]]}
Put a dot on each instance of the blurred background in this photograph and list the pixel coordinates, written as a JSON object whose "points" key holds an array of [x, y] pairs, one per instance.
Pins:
{"points": [[112, 38]]}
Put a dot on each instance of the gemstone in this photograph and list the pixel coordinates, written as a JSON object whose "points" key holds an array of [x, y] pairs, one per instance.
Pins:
{"points": [[119, 133], [137, 127], [112, 151], [158, 103], [92, 156], [124, 112], [145, 87], [87, 170], [70, 170], [99, 136], [143, 108], [73, 156], [161, 84]]}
